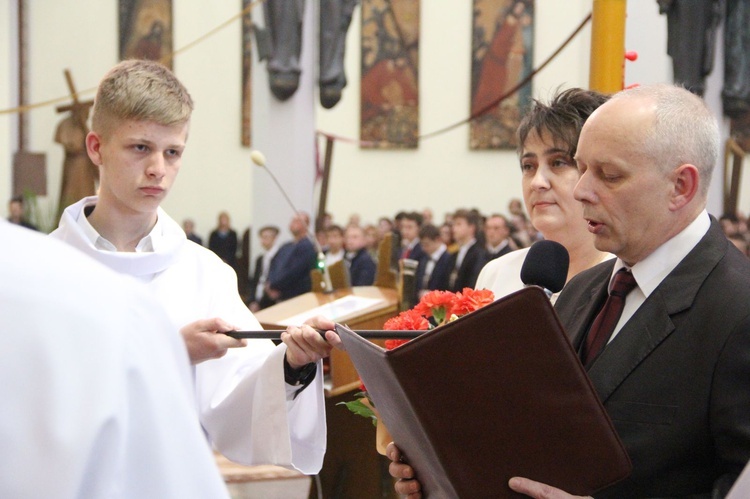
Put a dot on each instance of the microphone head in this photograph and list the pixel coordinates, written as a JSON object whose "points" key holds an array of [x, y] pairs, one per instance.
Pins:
{"points": [[546, 265], [258, 158]]}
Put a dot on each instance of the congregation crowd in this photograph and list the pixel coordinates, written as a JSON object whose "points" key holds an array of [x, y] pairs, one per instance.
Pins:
{"points": [[447, 254]]}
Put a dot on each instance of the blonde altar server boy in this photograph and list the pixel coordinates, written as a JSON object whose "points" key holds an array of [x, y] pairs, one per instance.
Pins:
{"points": [[95, 391], [257, 403]]}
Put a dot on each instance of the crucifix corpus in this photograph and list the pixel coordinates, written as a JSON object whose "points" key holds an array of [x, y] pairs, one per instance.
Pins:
{"points": [[79, 174]]}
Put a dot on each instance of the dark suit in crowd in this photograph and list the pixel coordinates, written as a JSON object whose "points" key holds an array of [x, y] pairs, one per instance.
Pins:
{"points": [[265, 300], [224, 244], [415, 253], [195, 238], [290, 272], [439, 277], [362, 268], [465, 275]]}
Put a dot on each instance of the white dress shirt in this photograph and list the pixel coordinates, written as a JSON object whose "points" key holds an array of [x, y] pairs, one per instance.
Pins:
{"points": [[652, 270]]}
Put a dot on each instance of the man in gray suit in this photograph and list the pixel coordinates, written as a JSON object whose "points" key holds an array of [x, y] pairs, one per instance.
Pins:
{"points": [[674, 375]]}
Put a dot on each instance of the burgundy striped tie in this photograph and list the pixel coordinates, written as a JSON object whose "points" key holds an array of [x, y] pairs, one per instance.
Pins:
{"points": [[604, 324]]}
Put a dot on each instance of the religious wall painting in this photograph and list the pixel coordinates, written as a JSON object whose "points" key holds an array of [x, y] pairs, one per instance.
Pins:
{"points": [[247, 65], [389, 89], [502, 55], [146, 30]]}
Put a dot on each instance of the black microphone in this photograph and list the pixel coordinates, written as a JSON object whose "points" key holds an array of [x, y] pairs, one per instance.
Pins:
{"points": [[546, 266]]}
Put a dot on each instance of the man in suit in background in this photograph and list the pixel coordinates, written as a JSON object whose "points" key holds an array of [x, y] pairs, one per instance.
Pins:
{"points": [[290, 274], [469, 260], [674, 375], [497, 237], [396, 239], [188, 225], [361, 266], [223, 240], [16, 213], [434, 269], [269, 242], [335, 239], [409, 227]]}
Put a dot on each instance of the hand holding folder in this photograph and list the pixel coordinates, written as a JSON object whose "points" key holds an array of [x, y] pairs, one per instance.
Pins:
{"points": [[496, 394]]}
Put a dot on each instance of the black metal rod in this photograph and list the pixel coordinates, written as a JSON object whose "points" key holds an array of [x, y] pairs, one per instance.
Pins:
{"points": [[370, 334]]}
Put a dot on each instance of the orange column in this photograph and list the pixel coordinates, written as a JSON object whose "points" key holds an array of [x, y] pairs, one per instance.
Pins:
{"points": [[607, 45]]}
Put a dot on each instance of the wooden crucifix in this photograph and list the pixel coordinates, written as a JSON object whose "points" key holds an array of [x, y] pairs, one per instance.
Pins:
{"points": [[79, 174]]}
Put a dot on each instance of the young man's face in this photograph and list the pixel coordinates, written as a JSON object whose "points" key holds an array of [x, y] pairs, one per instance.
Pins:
{"points": [[138, 163], [462, 230], [335, 240], [267, 238], [430, 245], [409, 229], [354, 239]]}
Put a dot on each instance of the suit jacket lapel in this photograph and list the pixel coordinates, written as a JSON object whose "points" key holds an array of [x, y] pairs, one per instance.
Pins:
{"points": [[640, 335], [593, 298], [652, 322]]}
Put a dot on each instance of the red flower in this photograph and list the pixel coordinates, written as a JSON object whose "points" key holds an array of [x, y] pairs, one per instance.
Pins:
{"points": [[470, 300], [410, 320], [432, 302]]}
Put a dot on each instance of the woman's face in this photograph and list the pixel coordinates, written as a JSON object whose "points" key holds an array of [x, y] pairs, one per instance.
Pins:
{"points": [[549, 177]]}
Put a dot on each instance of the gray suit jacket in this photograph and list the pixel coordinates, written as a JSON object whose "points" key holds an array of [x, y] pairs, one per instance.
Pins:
{"points": [[676, 379]]}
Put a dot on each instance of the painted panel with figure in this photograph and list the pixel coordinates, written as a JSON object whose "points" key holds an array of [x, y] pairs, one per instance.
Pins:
{"points": [[390, 79], [146, 30], [502, 55]]}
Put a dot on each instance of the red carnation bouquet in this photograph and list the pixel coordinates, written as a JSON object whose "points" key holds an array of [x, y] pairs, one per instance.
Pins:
{"points": [[433, 310]]}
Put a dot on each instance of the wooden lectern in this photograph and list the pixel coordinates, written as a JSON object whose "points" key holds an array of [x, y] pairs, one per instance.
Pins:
{"points": [[352, 467]]}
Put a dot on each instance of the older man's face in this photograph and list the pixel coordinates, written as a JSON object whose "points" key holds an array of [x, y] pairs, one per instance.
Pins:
{"points": [[496, 231], [625, 195], [298, 225]]}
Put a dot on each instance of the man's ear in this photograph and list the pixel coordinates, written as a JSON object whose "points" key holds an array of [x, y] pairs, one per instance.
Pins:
{"points": [[93, 148], [686, 185]]}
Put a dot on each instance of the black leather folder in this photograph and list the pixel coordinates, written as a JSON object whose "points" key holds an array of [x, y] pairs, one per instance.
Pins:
{"points": [[495, 394]]}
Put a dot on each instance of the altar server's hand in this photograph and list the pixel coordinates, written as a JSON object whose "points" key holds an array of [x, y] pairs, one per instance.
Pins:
{"points": [[538, 490], [203, 342], [304, 344], [407, 485]]}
